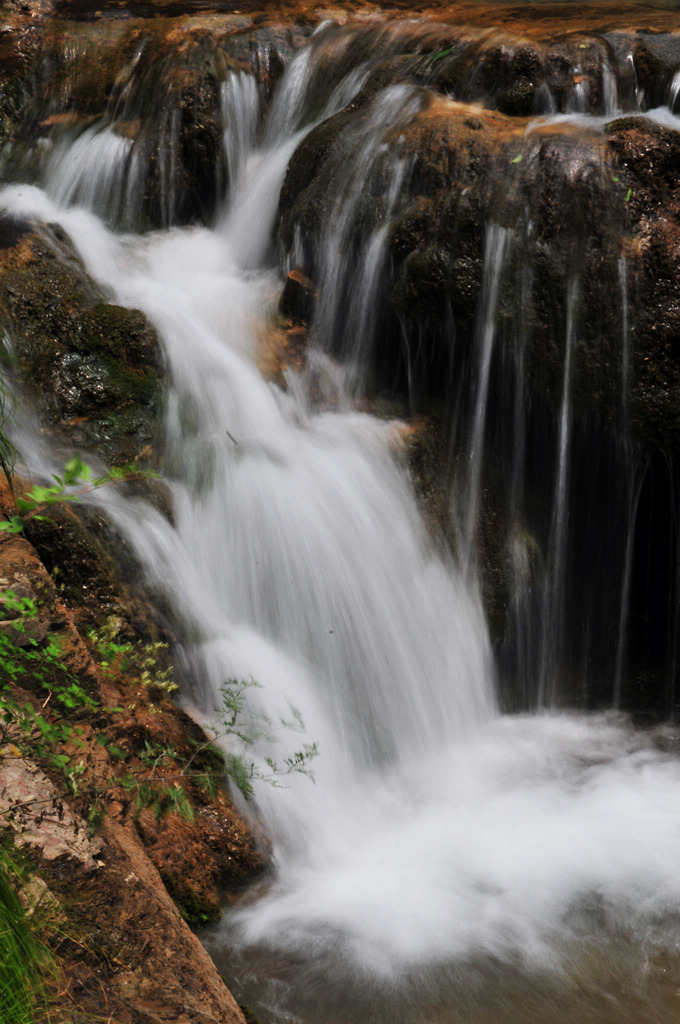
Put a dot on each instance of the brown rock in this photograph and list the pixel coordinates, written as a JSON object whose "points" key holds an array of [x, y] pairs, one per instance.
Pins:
{"points": [[135, 959]]}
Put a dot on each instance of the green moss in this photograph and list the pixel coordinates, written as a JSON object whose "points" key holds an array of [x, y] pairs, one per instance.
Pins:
{"points": [[195, 908], [117, 331], [623, 124], [94, 366]]}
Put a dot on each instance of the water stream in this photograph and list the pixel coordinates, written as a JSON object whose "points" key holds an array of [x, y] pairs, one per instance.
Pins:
{"points": [[449, 863]]}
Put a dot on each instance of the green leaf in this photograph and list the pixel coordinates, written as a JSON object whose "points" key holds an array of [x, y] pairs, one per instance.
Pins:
{"points": [[517, 159], [44, 726], [76, 470], [442, 53], [15, 525], [44, 495]]}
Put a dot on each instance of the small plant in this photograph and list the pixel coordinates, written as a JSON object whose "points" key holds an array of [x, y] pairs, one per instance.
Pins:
{"points": [[152, 674], [242, 770], [46, 731], [24, 960], [77, 480], [26, 730], [112, 653], [141, 661], [442, 53], [161, 785]]}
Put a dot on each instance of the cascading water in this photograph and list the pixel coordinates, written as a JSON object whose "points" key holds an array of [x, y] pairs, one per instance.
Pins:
{"points": [[551, 654], [349, 280], [449, 863], [498, 241]]}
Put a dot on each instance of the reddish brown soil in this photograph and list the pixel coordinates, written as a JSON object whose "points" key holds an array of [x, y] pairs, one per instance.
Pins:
{"points": [[126, 954]]}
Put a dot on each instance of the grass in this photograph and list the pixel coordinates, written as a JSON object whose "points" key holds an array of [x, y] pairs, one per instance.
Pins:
{"points": [[25, 962]]}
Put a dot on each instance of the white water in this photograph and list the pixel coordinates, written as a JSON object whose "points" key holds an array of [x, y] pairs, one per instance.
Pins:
{"points": [[348, 282], [498, 241], [673, 91], [554, 582], [436, 831]]}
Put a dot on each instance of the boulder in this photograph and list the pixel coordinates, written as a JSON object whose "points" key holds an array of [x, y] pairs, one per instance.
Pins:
{"points": [[93, 368]]}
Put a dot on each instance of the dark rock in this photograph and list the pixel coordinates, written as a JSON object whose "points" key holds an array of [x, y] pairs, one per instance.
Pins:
{"points": [[12, 229], [297, 300], [93, 367], [306, 193]]}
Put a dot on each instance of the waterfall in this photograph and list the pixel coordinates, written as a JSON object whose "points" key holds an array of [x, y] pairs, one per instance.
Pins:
{"points": [[673, 92], [240, 112], [632, 504], [497, 243], [100, 171], [610, 94], [349, 271], [552, 637], [447, 857]]}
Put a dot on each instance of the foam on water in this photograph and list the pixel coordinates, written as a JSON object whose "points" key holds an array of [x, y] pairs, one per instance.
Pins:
{"points": [[489, 847]]}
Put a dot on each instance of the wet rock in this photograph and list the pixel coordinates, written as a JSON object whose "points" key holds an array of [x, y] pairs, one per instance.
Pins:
{"points": [[305, 194], [426, 450], [12, 229], [201, 860], [573, 200], [649, 156], [135, 958], [427, 282], [105, 76], [95, 585], [182, 151], [655, 59], [648, 153], [297, 299], [581, 226], [520, 78], [94, 368]]}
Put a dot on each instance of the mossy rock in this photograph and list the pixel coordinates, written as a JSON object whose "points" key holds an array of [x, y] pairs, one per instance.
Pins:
{"points": [[195, 907], [94, 368], [72, 547]]}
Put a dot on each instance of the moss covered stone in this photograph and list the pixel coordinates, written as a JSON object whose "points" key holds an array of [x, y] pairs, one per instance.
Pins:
{"points": [[93, 367], [195, 907]]}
